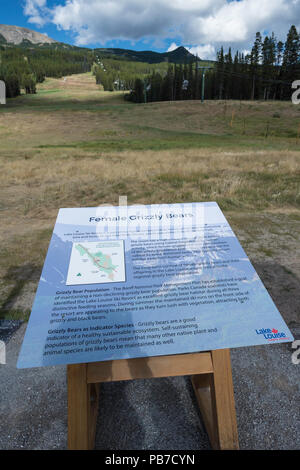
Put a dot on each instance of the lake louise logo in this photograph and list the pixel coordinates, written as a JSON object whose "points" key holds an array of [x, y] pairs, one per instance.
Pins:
{"points": [[271, 335]]}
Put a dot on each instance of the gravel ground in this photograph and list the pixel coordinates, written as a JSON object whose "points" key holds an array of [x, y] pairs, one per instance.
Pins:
{"points": [[156, 414]]}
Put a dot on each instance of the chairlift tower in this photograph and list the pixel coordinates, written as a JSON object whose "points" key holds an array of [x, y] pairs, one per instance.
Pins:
{"points": [[147, 87], [204, 70]]}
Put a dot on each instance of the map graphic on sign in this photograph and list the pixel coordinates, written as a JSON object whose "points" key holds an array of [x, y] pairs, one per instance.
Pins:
{"points": [[96, 263]]}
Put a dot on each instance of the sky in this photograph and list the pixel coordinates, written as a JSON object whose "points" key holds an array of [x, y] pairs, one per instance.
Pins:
{"points": [[202, 26]]}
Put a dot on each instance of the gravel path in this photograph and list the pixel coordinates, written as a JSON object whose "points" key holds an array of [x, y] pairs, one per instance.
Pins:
{"points": [[156, 414]]}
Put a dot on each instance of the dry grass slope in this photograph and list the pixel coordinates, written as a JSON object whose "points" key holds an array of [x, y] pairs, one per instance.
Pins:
{"points": [[74, 145]]}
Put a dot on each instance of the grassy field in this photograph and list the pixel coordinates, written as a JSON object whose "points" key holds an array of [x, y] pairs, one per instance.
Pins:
{"points": [[73, 145]]}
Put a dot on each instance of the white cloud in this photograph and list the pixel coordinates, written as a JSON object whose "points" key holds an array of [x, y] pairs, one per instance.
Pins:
{"points": [[206, 51], [37, 11], [172, 47], [234, 21], [203, 24], [245, 52]]}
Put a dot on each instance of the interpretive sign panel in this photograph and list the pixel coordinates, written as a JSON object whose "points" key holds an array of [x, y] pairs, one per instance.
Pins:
{"points": [[139, 281]]}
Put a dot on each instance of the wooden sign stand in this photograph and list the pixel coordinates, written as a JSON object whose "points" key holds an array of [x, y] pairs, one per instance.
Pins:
{"points": [[211, 379]]}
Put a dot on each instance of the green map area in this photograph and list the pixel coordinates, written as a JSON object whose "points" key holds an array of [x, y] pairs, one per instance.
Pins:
{"points": [[101, 261]]}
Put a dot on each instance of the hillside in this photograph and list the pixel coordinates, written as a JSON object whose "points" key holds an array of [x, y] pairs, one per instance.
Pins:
{"points": [[16, 35], [178, 56]]}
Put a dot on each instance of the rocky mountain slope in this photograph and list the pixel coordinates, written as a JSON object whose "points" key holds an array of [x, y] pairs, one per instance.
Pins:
{"points": [[16, 35]]}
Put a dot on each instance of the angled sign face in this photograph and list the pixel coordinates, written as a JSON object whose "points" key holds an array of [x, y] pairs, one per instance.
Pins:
{"points": [[140, 281]]}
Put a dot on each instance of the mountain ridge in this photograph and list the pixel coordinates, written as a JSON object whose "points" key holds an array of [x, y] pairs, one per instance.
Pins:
{"points": [[23, 37], [179, 55], [16, 35]]}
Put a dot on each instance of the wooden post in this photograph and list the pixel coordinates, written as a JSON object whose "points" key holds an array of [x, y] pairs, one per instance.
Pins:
{"points": [[224, 400], [83, 399], [244, 128], [298, 134], [215, 397], [267, 130], [232, 118]]}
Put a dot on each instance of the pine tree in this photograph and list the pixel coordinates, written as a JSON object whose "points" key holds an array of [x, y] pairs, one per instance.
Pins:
{"points": [[220, 73], [139, 91], [255, 58], [167, 85], [155, 85], [290, 60], [268, 63], [236, 89], [291, 49], [178, 82], [197, 82], [191, 86], [228, 78]]}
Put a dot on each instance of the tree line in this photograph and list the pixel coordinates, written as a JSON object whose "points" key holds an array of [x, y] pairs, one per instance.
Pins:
{"points": [[266, 72], [23, 68]]}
